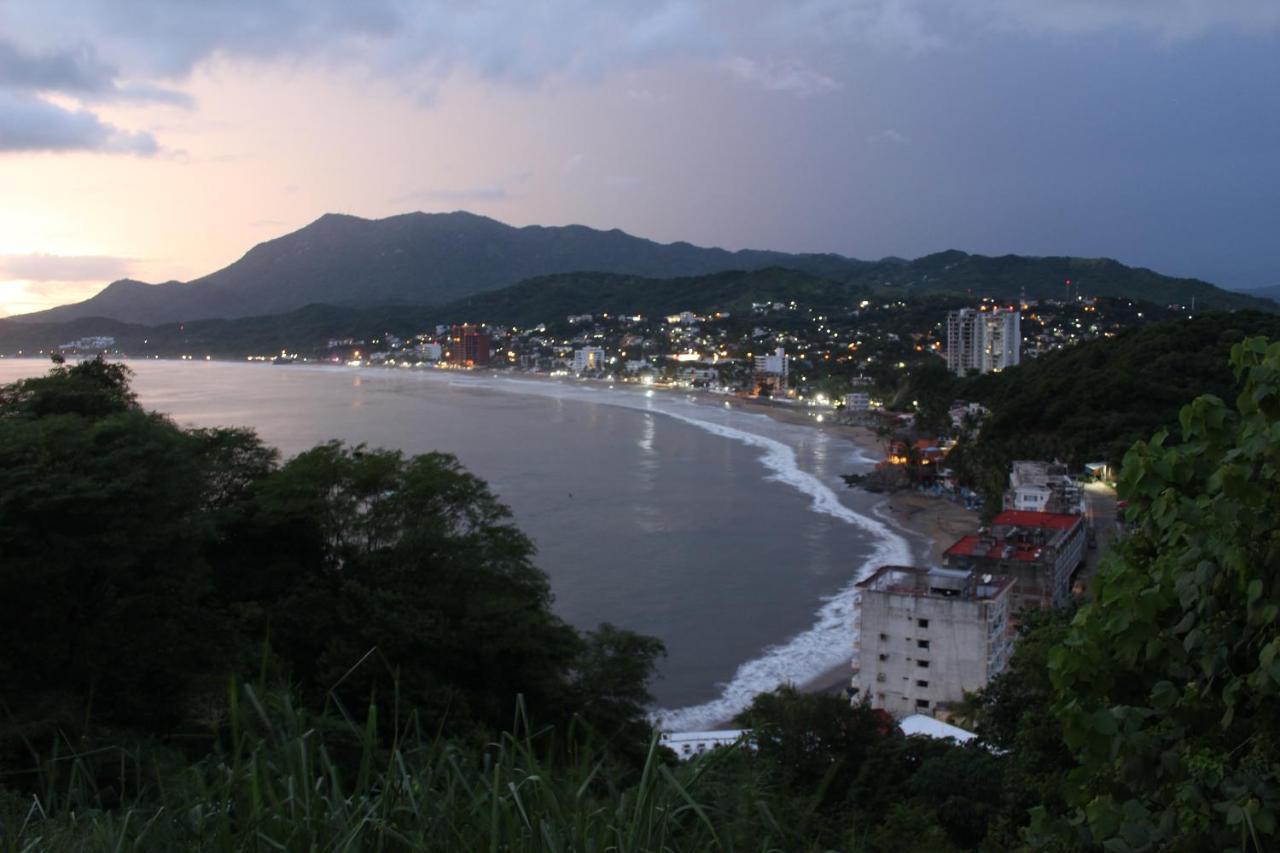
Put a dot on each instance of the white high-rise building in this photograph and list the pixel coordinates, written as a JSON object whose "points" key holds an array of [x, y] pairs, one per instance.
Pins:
{"points": [[963, 346], [1001, 340], [984, 341]]}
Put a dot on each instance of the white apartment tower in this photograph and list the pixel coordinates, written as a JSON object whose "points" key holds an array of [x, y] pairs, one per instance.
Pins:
{"points": [[984, 341], [1001, 340], [963, 346], [928, 636]]}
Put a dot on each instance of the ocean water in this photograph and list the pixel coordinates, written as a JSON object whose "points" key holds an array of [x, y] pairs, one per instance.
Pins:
{"points": [[726, 533]]}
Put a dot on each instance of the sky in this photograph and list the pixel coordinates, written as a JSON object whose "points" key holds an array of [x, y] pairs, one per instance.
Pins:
{"points": [[161, 140]]}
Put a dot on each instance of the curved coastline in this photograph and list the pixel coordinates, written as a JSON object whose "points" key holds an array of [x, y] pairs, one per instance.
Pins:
{"points": [[806, 657], [813, 654]]}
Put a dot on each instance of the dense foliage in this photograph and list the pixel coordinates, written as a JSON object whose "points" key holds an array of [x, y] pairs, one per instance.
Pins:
{"points": [[1168, 681], [142, 564], [1090, 402]]}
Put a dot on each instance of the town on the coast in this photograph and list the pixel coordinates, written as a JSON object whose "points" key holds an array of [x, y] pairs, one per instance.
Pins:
{"points": [[925, 635]]}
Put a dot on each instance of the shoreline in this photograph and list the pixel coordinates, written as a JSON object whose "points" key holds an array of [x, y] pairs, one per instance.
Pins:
{"points": [[932, 521], [927, 521]]}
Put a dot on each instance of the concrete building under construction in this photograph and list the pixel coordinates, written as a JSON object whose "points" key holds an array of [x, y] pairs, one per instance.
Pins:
{"points": [[1040, 551], [928, 636]]}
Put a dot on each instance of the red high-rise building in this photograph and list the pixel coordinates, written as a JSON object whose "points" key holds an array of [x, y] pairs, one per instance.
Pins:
{"points": [[468, 346]]}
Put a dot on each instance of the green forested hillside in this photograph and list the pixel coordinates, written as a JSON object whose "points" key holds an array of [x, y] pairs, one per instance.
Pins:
{"points": [[1008, 276], [1092, 401], [551, 298]]}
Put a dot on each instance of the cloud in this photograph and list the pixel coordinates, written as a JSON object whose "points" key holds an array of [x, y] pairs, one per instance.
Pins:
{"points": [[139, 50], [63, 268], [622, 182], [499, 190], [889, 136], [29, 123], [1171, 21], [521, 42], [23, 297], [791, 77], [486, 193], [924, 25], [77, 71]]}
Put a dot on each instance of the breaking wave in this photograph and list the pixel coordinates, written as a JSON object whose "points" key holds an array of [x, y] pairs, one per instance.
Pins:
{"points": [[822, 647]]}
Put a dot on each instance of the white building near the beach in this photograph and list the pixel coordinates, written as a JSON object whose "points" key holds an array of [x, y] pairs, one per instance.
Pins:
{"points": [[771, 369], [588, 358], [928, 636], [857, 401], [688, 745]]}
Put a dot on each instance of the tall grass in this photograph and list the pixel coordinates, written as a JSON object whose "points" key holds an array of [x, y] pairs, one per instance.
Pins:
{"points": [[286, 780]]}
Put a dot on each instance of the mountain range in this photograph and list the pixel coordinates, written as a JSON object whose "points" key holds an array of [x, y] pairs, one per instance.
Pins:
{"points": [[440, 258], [412, 259]]}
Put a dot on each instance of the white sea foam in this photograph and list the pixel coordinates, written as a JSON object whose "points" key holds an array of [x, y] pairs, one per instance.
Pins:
{"points": [[825, 645]]}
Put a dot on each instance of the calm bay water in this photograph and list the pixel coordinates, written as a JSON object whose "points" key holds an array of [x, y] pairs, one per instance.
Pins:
{"points": [[727, 534]]}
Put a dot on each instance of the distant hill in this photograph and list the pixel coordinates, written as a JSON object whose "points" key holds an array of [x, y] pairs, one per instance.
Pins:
{"points": [[1008, 276], [552, 298], [546, 299], [435, 259], [549, 299], [1092, 401], [1272, 292], [413, 259]]}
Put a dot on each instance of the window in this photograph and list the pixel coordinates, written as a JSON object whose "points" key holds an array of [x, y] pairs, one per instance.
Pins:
{"points": [[922, 644], [884, 637], [884, 657], [923, 623], [920, 682], [922, 703], [923, 664]]}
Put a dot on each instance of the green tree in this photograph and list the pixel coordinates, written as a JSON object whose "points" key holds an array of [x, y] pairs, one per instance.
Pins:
{"points": [[1013, 716], [104, 589], [141, 564], [1168, 680]]}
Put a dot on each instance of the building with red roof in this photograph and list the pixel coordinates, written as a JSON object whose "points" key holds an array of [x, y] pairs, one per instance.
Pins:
{"points": [[1039, 550]]}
